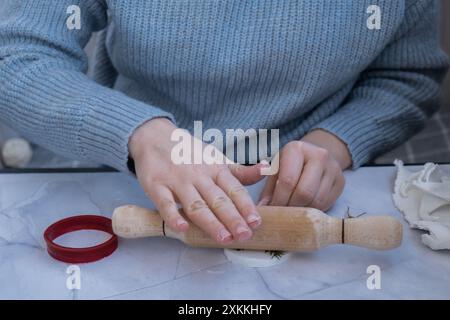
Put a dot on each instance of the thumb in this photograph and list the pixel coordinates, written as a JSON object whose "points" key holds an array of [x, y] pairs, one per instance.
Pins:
{"points": [[247, 175]]}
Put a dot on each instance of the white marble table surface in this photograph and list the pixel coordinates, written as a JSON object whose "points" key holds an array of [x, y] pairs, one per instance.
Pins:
{"points": [[167, 269]]}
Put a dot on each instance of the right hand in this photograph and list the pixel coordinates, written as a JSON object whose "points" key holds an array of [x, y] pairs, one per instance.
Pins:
{"points": [[212, 196]]}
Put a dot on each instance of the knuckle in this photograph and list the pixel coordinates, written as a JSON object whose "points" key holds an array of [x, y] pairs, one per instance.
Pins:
{"points": [[287, 181], [318, 202], [167, 205], [295, 145], [218, 166], [197, 209], [306, 195], [234, 168], [221, 172], [322, 154], [301, 145], [197, 169], [219, 202], [187, 178], [201, 180], [156, 180], [335, 167], [236, 191]]}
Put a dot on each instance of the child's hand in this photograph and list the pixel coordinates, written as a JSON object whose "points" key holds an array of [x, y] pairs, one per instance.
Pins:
{"points": [[309, 175], [212, 196]]}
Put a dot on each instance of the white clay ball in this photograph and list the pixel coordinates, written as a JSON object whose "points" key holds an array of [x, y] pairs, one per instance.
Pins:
{"points": [[16, 153], [256, 259]]}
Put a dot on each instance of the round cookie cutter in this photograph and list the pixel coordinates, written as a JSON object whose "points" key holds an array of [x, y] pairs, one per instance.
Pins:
{"points": [[80, 255]]}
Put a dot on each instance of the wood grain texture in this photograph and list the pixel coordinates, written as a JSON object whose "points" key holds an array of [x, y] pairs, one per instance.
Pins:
{"points": [[283, 228]]}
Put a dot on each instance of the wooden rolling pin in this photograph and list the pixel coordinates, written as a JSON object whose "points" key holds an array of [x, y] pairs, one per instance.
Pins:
{"points": [[282, 228]]}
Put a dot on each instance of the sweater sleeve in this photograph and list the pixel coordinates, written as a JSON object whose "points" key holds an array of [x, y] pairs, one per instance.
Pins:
{"points": [[397, 93], [44, 92]]}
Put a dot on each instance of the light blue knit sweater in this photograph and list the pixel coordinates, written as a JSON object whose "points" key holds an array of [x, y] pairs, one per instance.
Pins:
{"points": [[288, 64]]}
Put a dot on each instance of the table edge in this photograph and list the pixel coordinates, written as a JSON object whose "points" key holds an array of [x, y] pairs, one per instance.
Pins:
{"points": [[109, 169]]}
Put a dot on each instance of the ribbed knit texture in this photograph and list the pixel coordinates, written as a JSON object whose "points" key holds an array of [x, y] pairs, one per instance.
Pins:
{"points": [[292, 65]]}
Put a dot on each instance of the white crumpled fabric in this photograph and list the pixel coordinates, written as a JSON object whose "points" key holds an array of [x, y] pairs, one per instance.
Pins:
{"points": [[424, 199]]}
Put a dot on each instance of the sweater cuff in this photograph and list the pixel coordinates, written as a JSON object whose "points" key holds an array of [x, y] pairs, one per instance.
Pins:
{"points": [[367, 129], [108, 125], [357, 138]]}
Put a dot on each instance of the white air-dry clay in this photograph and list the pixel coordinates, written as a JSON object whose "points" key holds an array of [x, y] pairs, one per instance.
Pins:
{"points": [[256, 259], [424, 199]]}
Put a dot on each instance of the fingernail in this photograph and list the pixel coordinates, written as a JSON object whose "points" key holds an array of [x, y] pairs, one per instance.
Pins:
{"points": [[243, 233], [254, 220], [182, 225], [224, 236]]}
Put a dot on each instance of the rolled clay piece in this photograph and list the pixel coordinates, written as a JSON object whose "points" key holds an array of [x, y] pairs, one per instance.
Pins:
{"points": [[256, 259], [438, 237], [424, 199], [16, 153], [422, 195]]}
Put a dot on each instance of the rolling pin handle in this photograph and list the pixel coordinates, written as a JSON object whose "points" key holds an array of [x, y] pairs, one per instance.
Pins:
{"points": [[373, 232]]}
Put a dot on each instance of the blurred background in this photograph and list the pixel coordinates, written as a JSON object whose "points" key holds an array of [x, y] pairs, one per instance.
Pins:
{"points": [[431, 144]]}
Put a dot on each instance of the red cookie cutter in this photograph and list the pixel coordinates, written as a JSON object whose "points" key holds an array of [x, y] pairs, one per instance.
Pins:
{"points": [[80, 255]]}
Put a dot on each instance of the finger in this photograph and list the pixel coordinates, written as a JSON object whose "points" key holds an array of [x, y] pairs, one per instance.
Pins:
{"points": [[308, 184], [240, 197], [336, 190], [247, 175], [166, 205], [291, 163], [324, 197], [266, 194], [224, 209], [197, 210]]}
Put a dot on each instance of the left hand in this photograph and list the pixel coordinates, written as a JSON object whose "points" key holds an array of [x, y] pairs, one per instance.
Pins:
{"points": [[308, 176]]}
